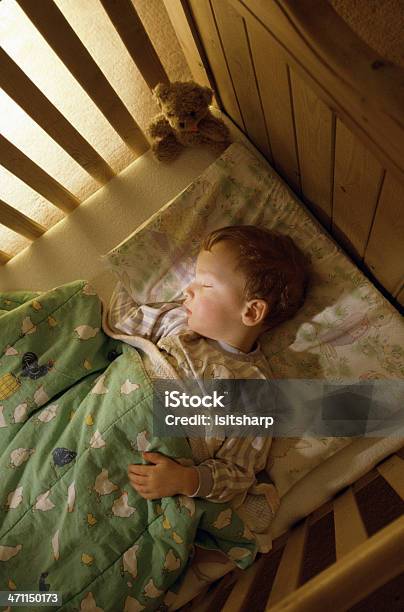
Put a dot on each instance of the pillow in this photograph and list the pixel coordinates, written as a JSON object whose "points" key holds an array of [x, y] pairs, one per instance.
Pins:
{"points": [[346, 328], [157, 260]]}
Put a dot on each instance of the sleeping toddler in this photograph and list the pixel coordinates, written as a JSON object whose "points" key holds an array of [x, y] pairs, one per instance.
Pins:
{"points": [[247, 280]]}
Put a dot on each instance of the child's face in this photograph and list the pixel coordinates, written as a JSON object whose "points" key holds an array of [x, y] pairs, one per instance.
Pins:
{"points": [[214, 300]]}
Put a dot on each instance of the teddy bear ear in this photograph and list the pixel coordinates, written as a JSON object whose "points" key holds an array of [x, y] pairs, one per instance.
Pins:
{"points": [[161, 91], [207, 94]]}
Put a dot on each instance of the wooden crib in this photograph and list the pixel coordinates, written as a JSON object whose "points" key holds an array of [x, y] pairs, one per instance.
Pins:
{"points": [[317, 102], [328, 113]]}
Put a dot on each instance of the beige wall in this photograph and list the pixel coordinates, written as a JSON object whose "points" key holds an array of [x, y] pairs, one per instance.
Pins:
{"points": [[380, 24], [29, 50]]}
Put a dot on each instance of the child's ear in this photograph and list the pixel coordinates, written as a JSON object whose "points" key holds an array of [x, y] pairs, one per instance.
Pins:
{"points": [[255, 312]]}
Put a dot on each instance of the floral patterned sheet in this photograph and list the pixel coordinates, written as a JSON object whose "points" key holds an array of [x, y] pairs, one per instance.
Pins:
{"points": [[75, 410], [346, 329]]}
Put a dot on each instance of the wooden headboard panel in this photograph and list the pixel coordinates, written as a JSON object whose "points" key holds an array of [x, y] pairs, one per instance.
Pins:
{"points": [[324, 109]]}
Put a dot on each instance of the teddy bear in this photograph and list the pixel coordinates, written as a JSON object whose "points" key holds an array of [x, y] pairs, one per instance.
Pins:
{"points": [[185, 120]]}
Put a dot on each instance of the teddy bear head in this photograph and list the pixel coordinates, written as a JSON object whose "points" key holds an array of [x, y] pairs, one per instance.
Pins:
{"points": [[184, 104]]}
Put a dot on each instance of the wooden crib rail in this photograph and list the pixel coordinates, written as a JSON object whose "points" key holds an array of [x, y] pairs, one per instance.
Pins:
{"points": [[364, 557], [19, 222], [393, 472], [360, 572], [63, 40], [28, 171], [289, 570], [4, 257], [29, 97], [59, 35], [136, 40]]}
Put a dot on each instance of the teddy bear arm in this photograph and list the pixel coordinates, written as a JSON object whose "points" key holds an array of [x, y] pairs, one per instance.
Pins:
{"points": [[214, 129], [159, 127]]}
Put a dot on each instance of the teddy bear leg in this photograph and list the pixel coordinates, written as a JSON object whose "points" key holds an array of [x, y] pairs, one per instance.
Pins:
{"points": [[167, 149]]}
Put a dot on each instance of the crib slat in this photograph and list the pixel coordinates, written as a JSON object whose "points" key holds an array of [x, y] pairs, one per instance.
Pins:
{"points": [[349, 528], [287, 576], [315, 130], [236, 47], [4, 258], [208, 599], [357, 180], [386, 236], [346, 582], [27, 95], [392, 470], [51, 23], [239, 594], [209, 35], [22, 166], [400, 452], [181, 16], [136, 40], [274, 82], [18, 222]]}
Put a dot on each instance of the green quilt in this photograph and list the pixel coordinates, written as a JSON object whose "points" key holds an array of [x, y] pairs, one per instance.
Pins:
{"points": [[75, 410]]}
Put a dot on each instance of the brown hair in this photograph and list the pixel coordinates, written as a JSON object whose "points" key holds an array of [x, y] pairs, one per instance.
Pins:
{"points": [[275, 268]]}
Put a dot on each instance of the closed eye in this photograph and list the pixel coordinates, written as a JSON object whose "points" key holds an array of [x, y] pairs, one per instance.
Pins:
{"points": [[206, 285]]}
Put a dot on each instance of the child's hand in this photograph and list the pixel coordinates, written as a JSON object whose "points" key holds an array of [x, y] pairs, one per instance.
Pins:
{"points": [[163, 479]]}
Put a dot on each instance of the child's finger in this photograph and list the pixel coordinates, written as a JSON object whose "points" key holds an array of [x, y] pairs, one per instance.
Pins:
{"points": [[141, 470], [155, 457], [141, 480], [142, 490], [138, 487]]}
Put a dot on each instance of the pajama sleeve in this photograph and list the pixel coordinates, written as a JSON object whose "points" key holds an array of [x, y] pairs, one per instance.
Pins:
{"points": [[232, 471], [152, 321]]}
